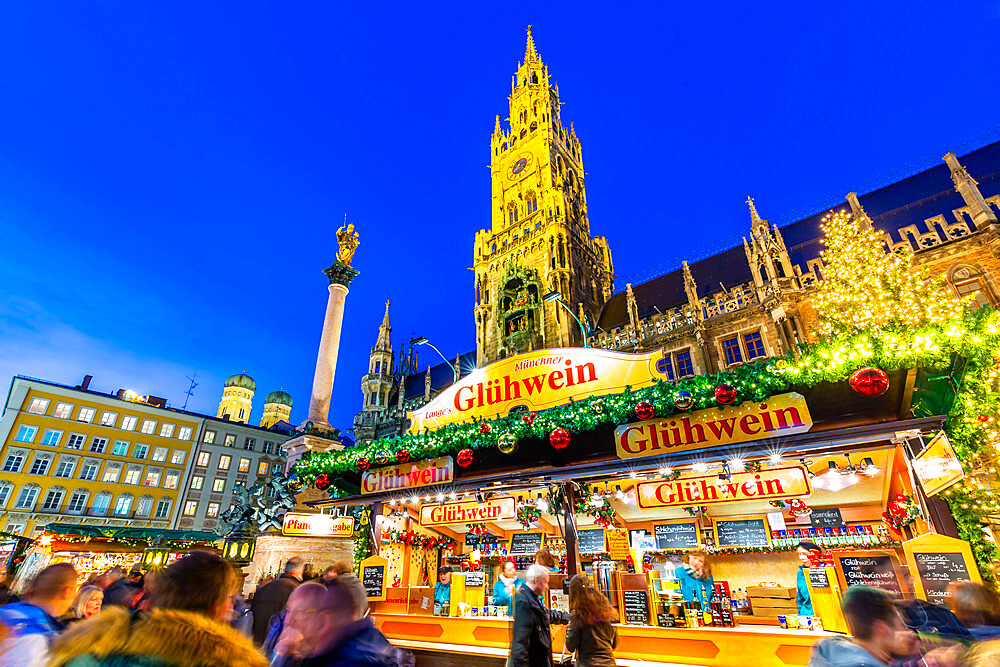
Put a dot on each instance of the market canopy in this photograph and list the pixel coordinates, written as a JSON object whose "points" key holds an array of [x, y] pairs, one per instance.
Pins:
{"points": [[147, 534]]}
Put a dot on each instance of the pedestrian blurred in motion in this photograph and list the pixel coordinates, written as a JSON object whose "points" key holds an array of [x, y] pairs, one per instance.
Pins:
{"points": [[7, 594], [109, 578], [531, 641], [87, 603], [977, 607], [590, 633], [877, 629], [124, 591], [328, 575], [296, 634], [144, 600], [188, 624], [32, 624], [270, 599], [344, 572]]}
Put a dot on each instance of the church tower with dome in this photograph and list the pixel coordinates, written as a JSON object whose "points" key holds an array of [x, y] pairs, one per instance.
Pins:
{"points": [[237, 398], [277, 408]]}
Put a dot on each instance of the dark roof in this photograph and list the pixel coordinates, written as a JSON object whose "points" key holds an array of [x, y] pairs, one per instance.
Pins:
{"points": [[441, 376], [910, 201]]}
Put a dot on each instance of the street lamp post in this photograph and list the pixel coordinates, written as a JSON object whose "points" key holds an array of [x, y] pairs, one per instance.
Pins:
{"points": [[557, 297], [421, 340]]}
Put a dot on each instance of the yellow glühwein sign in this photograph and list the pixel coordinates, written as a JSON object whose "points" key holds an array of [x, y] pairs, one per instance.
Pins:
{"points": [[538, 380], [467, 511], [768, 484], [779, 415]]}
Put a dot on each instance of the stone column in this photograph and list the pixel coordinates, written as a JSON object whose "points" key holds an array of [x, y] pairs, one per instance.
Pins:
{"points": [[340, 276]]}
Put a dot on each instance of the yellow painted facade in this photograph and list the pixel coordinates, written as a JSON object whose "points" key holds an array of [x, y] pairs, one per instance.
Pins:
{"points": [[76, 456]]}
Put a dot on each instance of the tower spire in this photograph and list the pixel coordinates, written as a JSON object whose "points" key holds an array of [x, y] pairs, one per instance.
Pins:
{"points": [[384, 331], [530, 55], [754, 217]]}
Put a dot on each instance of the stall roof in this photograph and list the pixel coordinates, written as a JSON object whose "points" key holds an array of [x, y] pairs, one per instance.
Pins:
{"points": [[149, 534]]}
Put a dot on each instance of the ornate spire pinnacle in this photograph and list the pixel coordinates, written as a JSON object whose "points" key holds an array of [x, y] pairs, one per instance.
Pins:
{"points": [[860, 215], [383, 332], [530, 55], [497, 130], [754, 218], [691, 289]]}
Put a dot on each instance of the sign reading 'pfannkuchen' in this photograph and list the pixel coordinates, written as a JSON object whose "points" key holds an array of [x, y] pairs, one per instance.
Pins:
{"points": [[777, 416], [768, 484], [467, 511]]}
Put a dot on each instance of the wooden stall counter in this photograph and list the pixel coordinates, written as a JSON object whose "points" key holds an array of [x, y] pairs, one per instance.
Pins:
{"points": [[489, 639]]}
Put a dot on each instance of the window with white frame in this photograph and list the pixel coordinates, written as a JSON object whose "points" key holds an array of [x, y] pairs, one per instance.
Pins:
{"points": [[204, 458], [209, 437], [5, 489], [26, 433], [102, 501], [53, 499], [219, 485], [108, 418], [75, 441], [123, 505], [230, 440], [77, 501], [262, 468], [268, 447], [249, 444], [190, 508], [159, 454], [26, 499], [40, 466], [63, 410], [51, 437], [128, 423], [244, 465], [166, 430], [15, 528], [88, 473], [144, 505], [177, 458], [38, 406], [140, 451], [171, 479], [224, 461], [277, 467], [111, 473], [65, 467], [197, 482], [148, 426], [132, 475], [162, 509], [86, 414], [14, 460], [185, 433], [98, 445], [120, 448], [152, 477], [212, 511]]}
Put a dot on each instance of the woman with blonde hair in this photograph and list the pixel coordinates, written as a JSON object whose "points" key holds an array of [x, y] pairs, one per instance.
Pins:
{"points": [[695, 577], [87, 603], [590, 632]]}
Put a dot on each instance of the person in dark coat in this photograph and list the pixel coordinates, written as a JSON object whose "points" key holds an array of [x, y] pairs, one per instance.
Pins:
{"points": [[590, 633], [531, 640], [123, 592], [271, 598]]}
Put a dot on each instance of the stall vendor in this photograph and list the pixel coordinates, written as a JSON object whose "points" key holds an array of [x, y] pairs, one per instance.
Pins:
{"points": [[442, 590], [695, 577], [808, 552], [506, 585], [545, 558]]}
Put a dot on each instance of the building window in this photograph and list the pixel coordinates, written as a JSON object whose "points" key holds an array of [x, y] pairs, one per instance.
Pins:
{"points": [[53, 499], [86, 415], [159, 454], [97, 445], [249, 443], [230, 440], [197, 482], [170, 480], [128, 423], [77, 502], [5, 488], [39, 467], [684, 366], [38, 406], [244, 465], [13, 462], [143, 506], [89, 472], [162, 509], [65, 468], [224, 462], [152, 478], [75, 441], [204, 458], [51, 437], [209, 437], [268, 447], [190, 507], [26, 499], [974, 288], [132, 475], [731, 350], [26, 433], [108, 418], [167, 431], [148, 426], [219, 485], [140, 452], [123, 505], [276, 468], [111, 474], [120, 448], [185, 433], [177, 457], [212, 511], [62, 410], [754, 345], [262, 469]]}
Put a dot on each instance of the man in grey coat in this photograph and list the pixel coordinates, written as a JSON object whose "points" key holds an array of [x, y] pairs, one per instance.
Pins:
{"points": [[271, 598], [344, 571]]}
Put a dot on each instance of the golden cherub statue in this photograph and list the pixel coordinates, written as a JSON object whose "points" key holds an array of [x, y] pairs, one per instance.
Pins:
{"points": [[347, 238]]}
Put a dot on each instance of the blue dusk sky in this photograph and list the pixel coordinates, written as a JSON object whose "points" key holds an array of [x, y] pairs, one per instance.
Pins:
{"points": [[172, 175]]}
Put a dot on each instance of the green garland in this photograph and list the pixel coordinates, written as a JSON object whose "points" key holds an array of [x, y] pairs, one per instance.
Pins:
{"points": [[360, 550], [722, 551], [970, 528]]}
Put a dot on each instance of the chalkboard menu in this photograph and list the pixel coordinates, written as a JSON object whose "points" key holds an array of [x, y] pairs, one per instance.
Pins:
{"points": [[938, 570], [666, 620], [636, 605], [875, 570], [741, 532], [373, 579], [477, 578], [525, 543], [591, 541], [818, 578], [676, 535], [826, 517]]}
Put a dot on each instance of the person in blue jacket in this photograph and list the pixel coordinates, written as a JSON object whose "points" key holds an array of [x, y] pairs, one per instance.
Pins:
{"points": [[505, 586], [442, 590], [695, 577], [808, 552]]}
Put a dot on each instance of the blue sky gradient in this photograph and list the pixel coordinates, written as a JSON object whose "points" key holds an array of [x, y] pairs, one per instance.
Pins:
{"points": [[172, 176]]}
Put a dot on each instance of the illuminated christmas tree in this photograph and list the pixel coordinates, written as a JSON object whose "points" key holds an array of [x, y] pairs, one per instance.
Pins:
{"points": [[866, 287]]}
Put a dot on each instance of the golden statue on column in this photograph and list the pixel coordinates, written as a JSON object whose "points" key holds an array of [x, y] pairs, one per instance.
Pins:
{"points": [[348, 241]]}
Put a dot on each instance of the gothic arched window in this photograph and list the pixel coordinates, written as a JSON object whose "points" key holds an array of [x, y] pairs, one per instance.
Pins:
{"points": [[968, 281]]}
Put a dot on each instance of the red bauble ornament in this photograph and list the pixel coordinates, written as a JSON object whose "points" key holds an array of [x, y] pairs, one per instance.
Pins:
{"points": [[644, 410], [322, 482], [363, 463], [725, 394], [402, 456], [465, 457], [559, 438], [983, 418], [870, 381], [529, 418], [485, 428]]}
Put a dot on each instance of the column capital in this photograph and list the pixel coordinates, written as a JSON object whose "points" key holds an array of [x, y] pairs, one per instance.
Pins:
{"points": [[340, 274]]}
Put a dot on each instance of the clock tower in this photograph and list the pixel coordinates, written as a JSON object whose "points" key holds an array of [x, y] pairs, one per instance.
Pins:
{"points": [[539, 240]]}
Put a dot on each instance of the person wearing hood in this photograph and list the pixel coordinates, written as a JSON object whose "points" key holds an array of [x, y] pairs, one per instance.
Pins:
{"points": [[876, 627], [807, 552], [187, 626], [695, 577], [506, 586]]}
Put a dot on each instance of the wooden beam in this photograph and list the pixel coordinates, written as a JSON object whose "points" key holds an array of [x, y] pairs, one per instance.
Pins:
{"points": [[572, 546]]}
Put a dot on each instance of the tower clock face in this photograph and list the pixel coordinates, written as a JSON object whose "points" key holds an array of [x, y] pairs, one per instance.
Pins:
{"points": [[517, 165]]}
